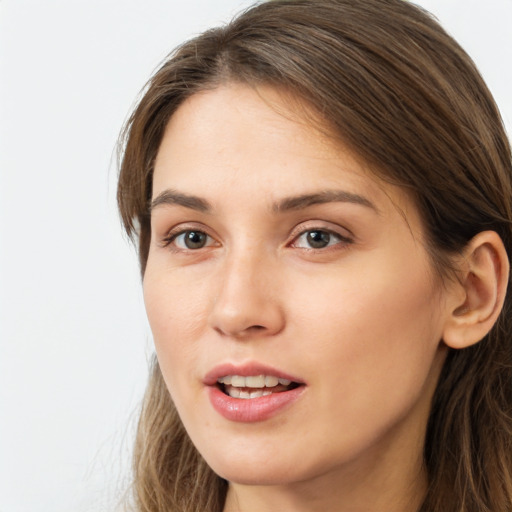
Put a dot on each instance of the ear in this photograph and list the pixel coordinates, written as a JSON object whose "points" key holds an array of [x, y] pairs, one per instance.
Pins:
{"points": [[477, 299]]}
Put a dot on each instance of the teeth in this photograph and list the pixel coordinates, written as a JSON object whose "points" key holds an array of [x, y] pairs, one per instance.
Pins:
{"points": [[253, 381], [225, 380], [271, 381], [237, 393], [238, 381], [233, 392]]}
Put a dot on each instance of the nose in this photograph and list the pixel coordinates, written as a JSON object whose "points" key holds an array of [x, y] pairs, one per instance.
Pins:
{"points": [[248, 304]]}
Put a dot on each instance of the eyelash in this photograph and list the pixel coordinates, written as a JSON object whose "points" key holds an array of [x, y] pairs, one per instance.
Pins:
{"points": [[344, 241], [170, 240]]}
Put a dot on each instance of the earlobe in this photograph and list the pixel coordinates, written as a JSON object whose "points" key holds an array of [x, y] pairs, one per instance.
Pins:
{"points": [[484, 273]]}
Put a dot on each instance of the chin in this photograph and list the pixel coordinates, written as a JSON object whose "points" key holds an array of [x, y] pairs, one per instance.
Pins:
{"points": [[268, 470], [257, 477]]}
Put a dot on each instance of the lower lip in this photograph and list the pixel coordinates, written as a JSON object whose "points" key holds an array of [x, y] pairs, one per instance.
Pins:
{"points": [[249, 410]]}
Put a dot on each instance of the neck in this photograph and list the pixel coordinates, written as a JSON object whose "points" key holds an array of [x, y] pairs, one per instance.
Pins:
{"points": [[369, 493]]}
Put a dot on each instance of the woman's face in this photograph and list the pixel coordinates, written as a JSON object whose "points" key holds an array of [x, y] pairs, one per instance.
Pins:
{"points": [[275, 257]]}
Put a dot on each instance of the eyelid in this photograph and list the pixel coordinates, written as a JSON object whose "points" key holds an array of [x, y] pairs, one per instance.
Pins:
{"points": [[344, 240], [344, 234], [182, 228], [319, 225]]}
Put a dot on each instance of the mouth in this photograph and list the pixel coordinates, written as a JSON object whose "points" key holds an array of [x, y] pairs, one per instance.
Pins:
{"points": [[254, 386], [251, 392]]}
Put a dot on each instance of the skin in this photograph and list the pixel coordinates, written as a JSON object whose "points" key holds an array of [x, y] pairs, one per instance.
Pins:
{"points": [[359, 320]]}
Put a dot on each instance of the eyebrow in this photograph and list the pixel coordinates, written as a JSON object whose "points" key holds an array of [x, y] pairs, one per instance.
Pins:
{"points": [[172, 197], [327, 196]]}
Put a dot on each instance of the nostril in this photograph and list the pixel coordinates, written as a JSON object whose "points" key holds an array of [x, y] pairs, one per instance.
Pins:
{"points": [[255, 329], [242, 333]]}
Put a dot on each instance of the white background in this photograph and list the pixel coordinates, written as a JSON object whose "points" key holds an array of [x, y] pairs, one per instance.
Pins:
{"points": [[74, 343]]}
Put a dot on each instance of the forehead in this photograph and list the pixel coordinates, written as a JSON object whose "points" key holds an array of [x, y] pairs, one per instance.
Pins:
{"points": [[259, 122], [244, 140]]}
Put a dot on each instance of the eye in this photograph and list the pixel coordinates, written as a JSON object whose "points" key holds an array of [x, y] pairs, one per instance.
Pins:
{"points": [[190, 240], [318, 239]]}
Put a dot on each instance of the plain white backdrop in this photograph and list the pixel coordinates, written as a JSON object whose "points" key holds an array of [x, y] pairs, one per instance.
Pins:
{"points": [[74, 342]]}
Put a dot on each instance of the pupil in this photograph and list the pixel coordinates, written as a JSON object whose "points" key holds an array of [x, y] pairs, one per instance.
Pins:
{"points": [[318, 239], [195, 239]]}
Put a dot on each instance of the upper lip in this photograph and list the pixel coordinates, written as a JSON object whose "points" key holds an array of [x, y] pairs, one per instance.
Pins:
{"points": [[246, 370]]}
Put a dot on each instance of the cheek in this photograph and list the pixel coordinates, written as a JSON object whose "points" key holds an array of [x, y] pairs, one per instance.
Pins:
{"points": [[375, 333], [391, 296], [177, 313], [175, 302]]}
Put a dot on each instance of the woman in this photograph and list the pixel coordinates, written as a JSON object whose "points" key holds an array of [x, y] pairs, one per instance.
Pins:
{"points": [[321, 194]]}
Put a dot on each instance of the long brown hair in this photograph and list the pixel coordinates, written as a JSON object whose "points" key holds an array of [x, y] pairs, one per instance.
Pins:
{"points": [[387, 81]]}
